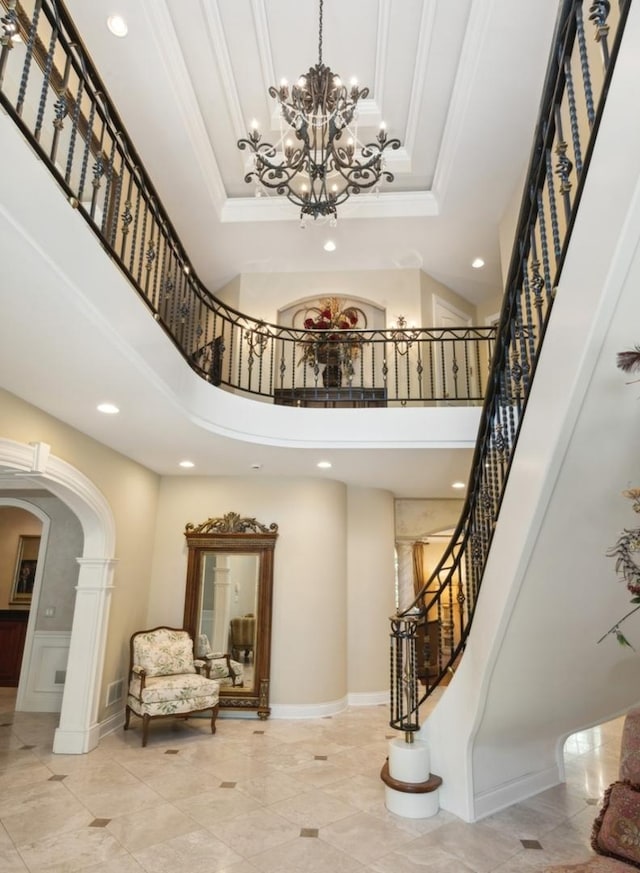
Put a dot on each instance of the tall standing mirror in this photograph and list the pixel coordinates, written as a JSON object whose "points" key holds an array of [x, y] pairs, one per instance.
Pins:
{"points": [[228, 604]]}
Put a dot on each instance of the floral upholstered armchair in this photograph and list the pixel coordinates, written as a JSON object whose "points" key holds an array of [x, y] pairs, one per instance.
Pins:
{"points": [[219, 665], [165, 680]]}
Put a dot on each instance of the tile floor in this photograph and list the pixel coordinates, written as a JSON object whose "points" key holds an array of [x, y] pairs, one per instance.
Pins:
{"points": [[279, 796]]}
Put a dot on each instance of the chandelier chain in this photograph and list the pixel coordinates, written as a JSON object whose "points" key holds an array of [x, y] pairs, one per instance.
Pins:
{"points": [[320, 33]]}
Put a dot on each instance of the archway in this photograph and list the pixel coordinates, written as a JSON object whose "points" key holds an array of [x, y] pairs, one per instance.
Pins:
{"points": [[78, 730]]}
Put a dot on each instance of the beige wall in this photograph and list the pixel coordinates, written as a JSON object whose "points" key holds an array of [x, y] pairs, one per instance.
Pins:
{"points": [[416, 519], [333, 575], [333, 561], [431, 288], [131, 491], [396, 291], [370, 589], [58, 563]]}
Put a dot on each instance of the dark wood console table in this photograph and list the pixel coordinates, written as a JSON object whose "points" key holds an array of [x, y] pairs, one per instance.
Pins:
{"points": [[331, 398]]}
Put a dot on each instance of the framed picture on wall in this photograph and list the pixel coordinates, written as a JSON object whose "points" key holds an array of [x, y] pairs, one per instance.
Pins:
{"points": [[25, 572]]}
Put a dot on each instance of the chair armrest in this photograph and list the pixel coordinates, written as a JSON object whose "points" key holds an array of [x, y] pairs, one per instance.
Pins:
{"points": [[199, 664], [232, 672], [137, 670]]}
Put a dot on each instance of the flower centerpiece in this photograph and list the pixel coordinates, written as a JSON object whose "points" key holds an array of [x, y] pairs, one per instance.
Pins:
{"points": [[330, 342]]}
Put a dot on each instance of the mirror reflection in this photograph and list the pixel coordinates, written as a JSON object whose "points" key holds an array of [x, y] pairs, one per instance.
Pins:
{"points": [[228, 608], [228, 603]]}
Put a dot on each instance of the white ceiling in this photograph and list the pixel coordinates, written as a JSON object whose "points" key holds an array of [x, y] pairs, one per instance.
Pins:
{"points": [[457, 81], [187, 80]]}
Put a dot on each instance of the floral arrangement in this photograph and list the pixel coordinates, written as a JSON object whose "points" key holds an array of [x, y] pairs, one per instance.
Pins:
{"points": [[627, 567], [628, 544], [326, 320]]}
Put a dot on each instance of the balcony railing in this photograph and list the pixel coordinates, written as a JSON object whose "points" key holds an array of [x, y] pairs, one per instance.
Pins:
{"points": [[49, 87], [429, 635]]}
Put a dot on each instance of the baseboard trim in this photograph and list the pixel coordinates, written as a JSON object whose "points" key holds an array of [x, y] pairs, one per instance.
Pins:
{"points": [[514, 791], [368, 698], [308, 710], [75, 742], [111, 724], [279, 710]]}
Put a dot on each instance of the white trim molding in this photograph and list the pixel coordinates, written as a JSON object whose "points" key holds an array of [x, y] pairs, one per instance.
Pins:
{"points": [[78, 731]]}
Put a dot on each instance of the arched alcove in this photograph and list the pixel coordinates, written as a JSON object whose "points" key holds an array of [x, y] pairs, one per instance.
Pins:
{"points": [[77, 731]]}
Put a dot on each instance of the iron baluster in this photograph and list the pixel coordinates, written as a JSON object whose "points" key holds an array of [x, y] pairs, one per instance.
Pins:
{"points": [[75, 120], [46, 80], [573, 116], [544, 248], [563, 166], [107, 205], [553, 209], [584, 66], [61, 109], [599, 12], [10, 29], [31, 39], [133, 241]]}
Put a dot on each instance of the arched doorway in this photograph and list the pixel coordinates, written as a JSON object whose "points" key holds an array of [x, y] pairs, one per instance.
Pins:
{"points": [[78, 730]]}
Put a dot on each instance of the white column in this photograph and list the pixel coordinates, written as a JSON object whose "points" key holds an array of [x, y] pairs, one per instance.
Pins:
{"points": [[78, 731], [221, 603], [406, 594]]}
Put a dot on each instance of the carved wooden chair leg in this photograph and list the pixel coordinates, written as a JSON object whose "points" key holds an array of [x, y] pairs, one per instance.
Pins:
{"points": [[127, 713], [214, 715], [145, 729]]}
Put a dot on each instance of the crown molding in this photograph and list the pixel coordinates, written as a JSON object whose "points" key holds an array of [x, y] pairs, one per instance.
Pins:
{"points": [[475, 34], [164, 34], [425, 37], [399, 204], [220, 51]]}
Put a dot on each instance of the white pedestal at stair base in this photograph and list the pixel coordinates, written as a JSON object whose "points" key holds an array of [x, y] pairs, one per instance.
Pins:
{"points": [[411, 791]]}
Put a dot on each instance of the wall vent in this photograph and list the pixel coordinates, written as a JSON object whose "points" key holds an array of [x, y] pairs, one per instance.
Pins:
{"points": [[114, 691], [60, 676]]}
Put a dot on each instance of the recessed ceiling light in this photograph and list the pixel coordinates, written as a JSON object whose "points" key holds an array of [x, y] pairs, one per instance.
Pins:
{"points": [[477, 263], [186, 464], [117, 25], [256, 466], [458, 485], [329, 246], [324, 465], [108, 408]]}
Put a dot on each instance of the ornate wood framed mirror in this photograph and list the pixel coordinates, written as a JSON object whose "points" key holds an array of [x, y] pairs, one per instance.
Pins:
{"points": [[228, 605]]}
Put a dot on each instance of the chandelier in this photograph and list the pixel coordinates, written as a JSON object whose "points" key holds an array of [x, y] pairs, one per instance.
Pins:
{"points": [[318, 162]]}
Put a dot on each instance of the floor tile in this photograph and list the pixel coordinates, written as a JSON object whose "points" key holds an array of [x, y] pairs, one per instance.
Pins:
{"points": [[278, 796]]}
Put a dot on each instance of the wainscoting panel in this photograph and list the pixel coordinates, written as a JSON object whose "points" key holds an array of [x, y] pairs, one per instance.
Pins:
{"points": [[45, 682]]}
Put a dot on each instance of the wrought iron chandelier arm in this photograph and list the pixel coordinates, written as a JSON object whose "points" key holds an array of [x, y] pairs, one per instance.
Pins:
{"points": [[318, 174]]}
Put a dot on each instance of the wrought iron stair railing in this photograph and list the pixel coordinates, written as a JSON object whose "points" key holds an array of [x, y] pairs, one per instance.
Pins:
{"points": [[429, 634], [49, 87]]}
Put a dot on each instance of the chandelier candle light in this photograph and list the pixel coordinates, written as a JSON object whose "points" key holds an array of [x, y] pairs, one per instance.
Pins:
{"points": [[318, 162]]}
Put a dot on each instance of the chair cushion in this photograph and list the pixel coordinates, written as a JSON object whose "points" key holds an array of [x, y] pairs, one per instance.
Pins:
{"points": [[616, 831], [159, 689], [169, 695], [163, 652]]}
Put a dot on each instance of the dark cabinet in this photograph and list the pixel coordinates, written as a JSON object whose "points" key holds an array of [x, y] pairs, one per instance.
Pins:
{"points": [[13, 630]]}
